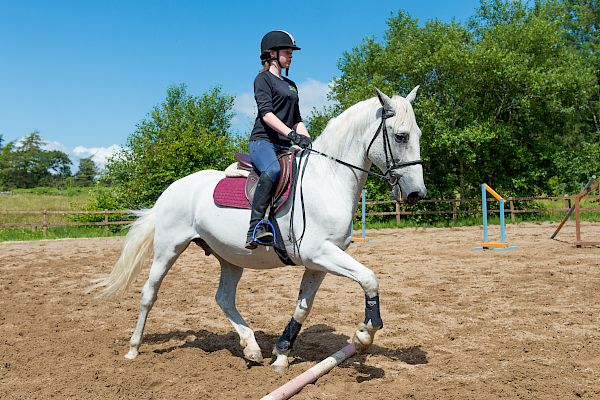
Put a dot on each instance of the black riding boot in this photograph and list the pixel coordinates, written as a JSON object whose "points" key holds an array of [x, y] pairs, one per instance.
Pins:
{"points": [[262, 200]]}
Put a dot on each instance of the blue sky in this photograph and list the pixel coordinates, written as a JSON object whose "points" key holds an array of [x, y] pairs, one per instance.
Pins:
{"points": [[84, 73]]}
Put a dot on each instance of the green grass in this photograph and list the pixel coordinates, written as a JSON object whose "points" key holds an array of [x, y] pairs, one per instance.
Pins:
{"points": [[46, 198], [75, 199], [59, 232], [51, 199], [39, 199]]}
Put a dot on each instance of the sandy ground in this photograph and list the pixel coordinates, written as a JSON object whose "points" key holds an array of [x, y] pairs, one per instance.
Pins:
{"points": [[458, 324]]}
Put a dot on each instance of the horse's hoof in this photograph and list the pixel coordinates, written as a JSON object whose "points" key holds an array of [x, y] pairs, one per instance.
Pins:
{"points": [[279, 369], [362, 340], [131, 354], [281, 363], [254, 355]]}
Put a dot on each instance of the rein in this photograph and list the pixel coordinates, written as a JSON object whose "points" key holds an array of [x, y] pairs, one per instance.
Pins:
{"points": [[390, 163], [381, 176]]}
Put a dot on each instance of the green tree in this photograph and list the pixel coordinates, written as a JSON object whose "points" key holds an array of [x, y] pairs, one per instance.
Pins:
{"points": [[59, 164], [552, 87], [26, 164], [501, 97], [87, 172], [318, 119], [182, 135]]}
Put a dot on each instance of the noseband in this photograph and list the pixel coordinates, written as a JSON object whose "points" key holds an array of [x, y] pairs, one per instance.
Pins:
{"points": [[390, 162]]}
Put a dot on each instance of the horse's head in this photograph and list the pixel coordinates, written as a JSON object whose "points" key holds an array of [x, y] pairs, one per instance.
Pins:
{"points": [[395, 148]]}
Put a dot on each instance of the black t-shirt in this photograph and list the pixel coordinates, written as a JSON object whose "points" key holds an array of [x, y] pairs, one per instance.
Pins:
{"points": [[279, 96]]}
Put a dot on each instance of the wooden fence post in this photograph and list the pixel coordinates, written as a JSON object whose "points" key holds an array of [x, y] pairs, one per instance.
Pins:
{"points": [[512, 209], [567, 202], [454, 210], [577, 221], [106, 220], [397, 213], [45, 223]]}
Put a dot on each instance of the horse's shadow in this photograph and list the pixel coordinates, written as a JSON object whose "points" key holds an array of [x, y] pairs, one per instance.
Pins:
{"points": [[313, 345]]}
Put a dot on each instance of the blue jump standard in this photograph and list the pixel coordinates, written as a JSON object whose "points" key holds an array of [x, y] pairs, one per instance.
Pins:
{"points": [[486, 245]]}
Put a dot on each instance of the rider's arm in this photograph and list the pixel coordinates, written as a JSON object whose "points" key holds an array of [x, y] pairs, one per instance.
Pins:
{"points": [[264, 101], [301, 129], [276, 124]]}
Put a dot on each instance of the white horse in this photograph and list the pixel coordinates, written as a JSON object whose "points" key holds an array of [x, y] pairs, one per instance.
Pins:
{"points": [[380, 130]]}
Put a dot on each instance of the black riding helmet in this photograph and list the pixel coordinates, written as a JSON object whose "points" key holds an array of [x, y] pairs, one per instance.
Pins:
{"points": [[276, 40]]}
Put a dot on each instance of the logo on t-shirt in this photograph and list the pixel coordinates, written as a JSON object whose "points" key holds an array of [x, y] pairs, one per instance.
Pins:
{"points": [[293, 89]]}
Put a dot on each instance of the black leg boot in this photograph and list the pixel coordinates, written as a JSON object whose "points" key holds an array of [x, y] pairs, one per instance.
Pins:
{"points": [[260, 203]]}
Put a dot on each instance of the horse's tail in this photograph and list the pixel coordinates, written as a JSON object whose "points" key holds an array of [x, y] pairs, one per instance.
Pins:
{"points": [[136, 250]]}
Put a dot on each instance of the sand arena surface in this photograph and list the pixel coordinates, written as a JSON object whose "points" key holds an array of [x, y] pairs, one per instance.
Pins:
{"points": [[458, 324]]}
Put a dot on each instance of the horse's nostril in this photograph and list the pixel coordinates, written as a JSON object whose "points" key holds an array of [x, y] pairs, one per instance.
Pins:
{"points": [[413, 197]]}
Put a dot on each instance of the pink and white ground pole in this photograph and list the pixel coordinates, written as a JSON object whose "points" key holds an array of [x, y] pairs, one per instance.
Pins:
{"points": [[295, 385]]}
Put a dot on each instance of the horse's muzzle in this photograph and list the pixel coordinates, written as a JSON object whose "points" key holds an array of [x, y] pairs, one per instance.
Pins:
{"points": [[413, 198]]}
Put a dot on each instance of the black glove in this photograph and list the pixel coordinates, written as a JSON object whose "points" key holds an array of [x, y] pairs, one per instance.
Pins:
{"points": [[300, 140]]}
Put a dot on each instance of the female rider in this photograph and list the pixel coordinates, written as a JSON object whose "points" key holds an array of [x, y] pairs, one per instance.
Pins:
{"points": [[278, 125]]}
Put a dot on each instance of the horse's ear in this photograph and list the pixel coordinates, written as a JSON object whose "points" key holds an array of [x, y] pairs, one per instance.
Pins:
{"points": [[385, 101], [413, 94]]}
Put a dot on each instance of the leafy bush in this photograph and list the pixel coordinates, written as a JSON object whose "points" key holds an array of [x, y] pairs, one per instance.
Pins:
{"points": [[181, 136]]}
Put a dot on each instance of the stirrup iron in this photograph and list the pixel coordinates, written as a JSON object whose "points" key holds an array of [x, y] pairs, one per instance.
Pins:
{"points": [[270, 229]]}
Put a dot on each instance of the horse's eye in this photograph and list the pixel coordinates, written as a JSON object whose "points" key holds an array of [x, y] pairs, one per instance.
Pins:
{"points": [[401, 137]]}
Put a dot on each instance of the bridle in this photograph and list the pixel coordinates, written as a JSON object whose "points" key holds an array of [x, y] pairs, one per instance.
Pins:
{"points": [[390, 161]]}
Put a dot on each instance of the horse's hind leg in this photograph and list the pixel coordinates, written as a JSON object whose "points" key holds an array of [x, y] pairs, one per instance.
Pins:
{"points": [[164, 258], [225, 297], [311, 280]]}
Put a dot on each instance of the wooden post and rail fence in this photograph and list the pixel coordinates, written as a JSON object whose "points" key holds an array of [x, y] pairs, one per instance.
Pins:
{"points": [[455, 209], [45, 219]]}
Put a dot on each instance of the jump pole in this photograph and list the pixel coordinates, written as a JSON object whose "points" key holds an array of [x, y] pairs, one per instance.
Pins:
{"points": [[310, 375]]}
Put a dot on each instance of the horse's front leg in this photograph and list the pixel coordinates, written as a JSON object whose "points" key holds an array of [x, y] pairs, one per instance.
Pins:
{"points": [[225, 297], [311, 280], [332, 259]]}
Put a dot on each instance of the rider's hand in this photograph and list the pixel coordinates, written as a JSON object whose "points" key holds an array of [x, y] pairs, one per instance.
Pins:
{"points": [[300, 140]]}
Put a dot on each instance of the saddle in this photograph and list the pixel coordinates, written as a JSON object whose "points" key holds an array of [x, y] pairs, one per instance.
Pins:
{"points": [[237, 192], [244, 163]]}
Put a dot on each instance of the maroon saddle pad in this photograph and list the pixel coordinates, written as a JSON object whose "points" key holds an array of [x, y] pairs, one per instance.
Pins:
{"points": [[232, 192]]}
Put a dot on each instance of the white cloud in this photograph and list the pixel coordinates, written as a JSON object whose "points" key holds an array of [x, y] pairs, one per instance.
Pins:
{"points": [[54, 145], [99, 154], [245, 105], [313, 94], [245, 112]]}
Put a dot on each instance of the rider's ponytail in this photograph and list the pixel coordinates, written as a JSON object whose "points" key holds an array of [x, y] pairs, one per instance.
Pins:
{"points": [[265, 58]]}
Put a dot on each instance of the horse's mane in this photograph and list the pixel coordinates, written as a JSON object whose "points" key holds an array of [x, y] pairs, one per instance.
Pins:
{"points": [[348, 127], [342, 130]]}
